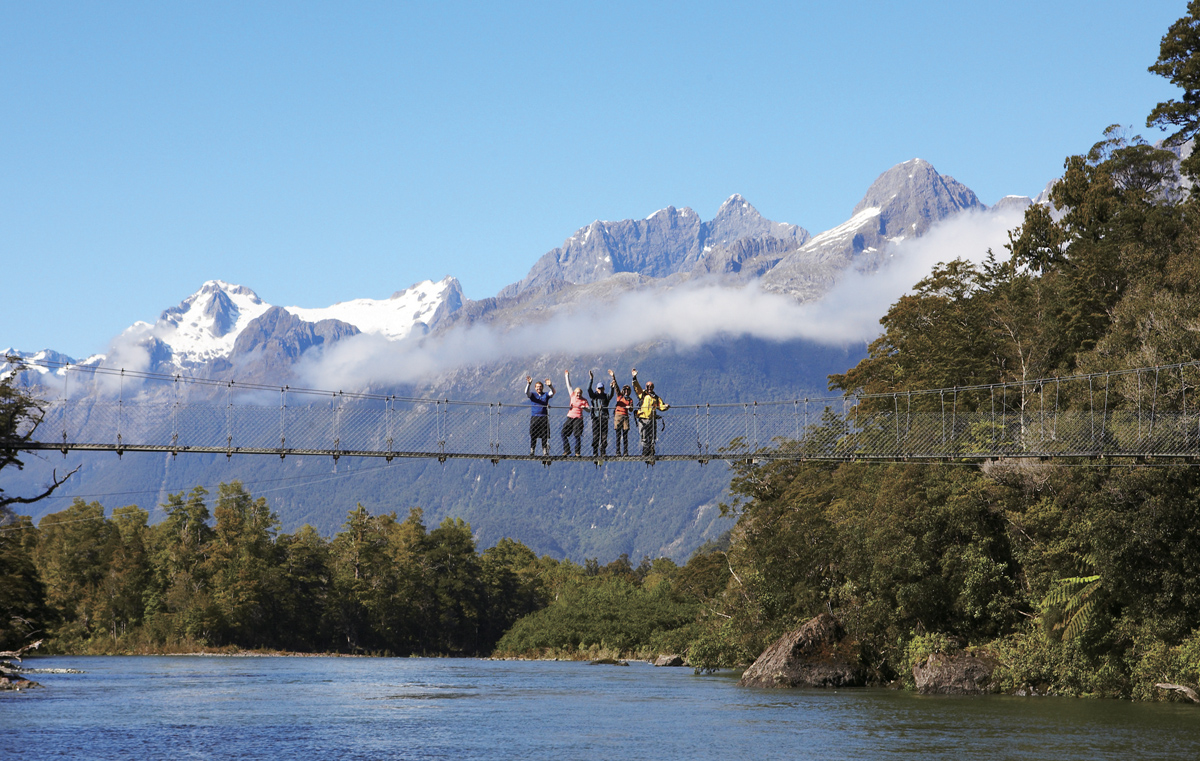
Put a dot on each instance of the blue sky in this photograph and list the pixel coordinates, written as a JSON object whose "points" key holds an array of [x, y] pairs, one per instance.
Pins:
{"points": [[323, 152]]}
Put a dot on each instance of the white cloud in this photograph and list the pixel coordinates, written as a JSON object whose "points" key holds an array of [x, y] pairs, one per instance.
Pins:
{"points": [[129, 351], [857, 302]]}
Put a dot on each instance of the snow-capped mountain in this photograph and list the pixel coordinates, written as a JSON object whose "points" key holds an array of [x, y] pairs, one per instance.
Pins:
{"points": [[217, 326], [202, 327]]}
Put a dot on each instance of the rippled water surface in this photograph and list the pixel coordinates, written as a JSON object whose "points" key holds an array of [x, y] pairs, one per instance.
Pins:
{"points": [[368, 708]]}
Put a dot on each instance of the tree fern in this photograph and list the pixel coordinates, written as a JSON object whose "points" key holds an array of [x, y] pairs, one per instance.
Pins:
{"points": [[1072, 605]]}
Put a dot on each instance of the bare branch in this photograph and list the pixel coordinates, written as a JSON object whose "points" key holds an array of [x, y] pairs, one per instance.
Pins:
{"points": [[56, 482], [1187, 691], [16, 654]]}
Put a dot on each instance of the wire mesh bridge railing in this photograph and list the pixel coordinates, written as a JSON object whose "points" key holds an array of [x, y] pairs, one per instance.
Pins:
{"points": [[1146, 412]]}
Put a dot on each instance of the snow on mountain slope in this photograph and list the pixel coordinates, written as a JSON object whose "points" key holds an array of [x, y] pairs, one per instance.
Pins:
{"points": [[845, 230], [45, 355], [206, 324], [392, 318]]}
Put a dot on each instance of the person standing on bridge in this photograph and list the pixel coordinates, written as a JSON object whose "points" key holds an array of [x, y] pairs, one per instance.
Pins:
{"points": [[574, 423], [599, 409], [649, 405], [539, 413], [621, 413]]}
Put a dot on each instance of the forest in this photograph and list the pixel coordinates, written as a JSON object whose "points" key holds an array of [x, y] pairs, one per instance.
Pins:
{"points": [[1079, 578]]}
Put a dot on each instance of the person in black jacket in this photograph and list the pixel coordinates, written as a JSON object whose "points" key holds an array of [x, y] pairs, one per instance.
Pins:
{"points": [[599, 409]]}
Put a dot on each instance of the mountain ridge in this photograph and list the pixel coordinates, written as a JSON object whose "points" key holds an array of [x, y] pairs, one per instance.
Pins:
{"points": [[669, 247]]}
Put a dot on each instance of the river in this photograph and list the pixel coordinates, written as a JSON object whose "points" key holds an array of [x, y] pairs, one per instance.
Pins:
{"points": [[421, 708]]}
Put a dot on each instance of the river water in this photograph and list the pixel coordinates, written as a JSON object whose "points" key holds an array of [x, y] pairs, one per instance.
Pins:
{"points": [[418, 708]]}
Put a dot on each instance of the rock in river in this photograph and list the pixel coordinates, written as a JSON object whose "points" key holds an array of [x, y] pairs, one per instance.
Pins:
{"points": [[815, 655], [957, 674]]}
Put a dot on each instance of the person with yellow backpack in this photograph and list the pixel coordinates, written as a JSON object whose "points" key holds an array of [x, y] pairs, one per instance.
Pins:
{"points": [[648, 406]]}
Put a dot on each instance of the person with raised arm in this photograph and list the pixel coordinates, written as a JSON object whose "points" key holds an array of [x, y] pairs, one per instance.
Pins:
{"points": [[539, 412], [648, 406], [622, 411], [599, 409], [573, 427]]}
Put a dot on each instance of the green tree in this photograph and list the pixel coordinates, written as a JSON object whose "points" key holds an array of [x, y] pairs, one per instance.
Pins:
{"points": [[1072, 605], [128, 570], [454, 579], [179, 597], [23, 611], [889, 550], [512, 587], [380, 583], [607, 613], [73, 554], [935, 337], [306, 599], [1179, 62], [243, 564], [1117, 229]]}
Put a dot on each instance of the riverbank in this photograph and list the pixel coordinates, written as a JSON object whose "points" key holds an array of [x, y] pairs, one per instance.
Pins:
{"points": [[188, 650]]}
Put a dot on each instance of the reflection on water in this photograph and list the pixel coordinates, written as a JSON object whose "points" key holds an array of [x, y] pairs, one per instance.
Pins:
{"points": [[367, 708]]}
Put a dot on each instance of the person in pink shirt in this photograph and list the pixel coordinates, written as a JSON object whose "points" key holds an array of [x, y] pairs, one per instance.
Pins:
{"points": [[574, 424]]}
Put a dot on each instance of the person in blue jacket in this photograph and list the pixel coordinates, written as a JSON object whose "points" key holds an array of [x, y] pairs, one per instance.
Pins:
{"points": [[539, 412]]}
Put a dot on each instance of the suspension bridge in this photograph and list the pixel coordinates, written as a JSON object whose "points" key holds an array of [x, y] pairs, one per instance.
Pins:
{"points": [[1145, 413]]}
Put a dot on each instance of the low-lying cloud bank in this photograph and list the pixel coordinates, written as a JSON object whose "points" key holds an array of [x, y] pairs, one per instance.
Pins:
{"points": [[684, 316]]}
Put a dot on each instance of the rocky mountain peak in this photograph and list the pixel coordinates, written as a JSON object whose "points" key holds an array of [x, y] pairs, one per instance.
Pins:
{"points": [[912, 196], [669, 212], [663, 243], [216, 303], [734, 216], [452, 302], [737, 219], [668, 242], [904, 202], [222, 311]]}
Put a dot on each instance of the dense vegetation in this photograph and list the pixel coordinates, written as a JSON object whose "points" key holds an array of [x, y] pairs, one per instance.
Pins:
{"points": [[195, 581], [384, 585]]}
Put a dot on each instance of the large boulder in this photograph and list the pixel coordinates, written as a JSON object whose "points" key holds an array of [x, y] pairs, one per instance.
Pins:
{"points": [[956, 674], [815, 655]]}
